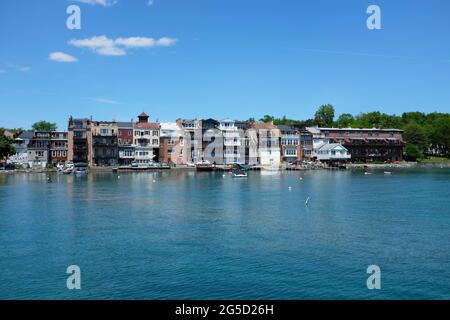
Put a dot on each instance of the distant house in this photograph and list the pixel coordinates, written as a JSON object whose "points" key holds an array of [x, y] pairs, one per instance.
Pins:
{"points": [[194, 138], [146, 140], [104, 145], [39, 149], [268, 144], [233, 142], [173, 148], [79, 140], [21, 147], [291, 148], [333, 152], [126, 148], [58, 147]]}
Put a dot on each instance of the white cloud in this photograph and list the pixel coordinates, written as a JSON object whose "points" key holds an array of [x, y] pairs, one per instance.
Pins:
{"points": [[105, 3], [2, 71], [108, 47], [166, 42], [111, 51], [62, 57], [150, 2], [24, 69], [135, 42]]}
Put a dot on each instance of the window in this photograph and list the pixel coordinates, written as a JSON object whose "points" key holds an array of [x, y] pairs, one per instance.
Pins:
{"points": [[170, 152], [155, 133], [104, 131], [291, 152], [155, 141], [170, 142]]}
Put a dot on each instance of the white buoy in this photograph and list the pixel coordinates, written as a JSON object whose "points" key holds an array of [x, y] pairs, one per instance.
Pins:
{"points": [[154, 181], [290, 188], [118, 177], [307, 201]]}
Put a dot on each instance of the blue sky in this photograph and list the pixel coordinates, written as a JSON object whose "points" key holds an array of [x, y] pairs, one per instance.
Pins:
{"points": [[217, 58]]}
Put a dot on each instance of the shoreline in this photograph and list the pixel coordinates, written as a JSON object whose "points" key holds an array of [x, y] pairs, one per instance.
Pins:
{"points": [[403, 165]]}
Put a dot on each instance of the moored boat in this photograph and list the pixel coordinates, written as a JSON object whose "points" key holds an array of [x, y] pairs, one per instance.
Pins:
{"points": [[204, 165], [81, 168]]}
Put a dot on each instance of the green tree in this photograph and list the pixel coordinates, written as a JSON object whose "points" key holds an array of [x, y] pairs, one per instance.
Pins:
{"points": [[416, 135], [6, 145], [345, 120], [413, 152], [267, 119], [44, 126], [325, 115]]}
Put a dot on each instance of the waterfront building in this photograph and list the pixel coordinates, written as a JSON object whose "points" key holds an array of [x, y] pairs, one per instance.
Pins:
{"points": [[104, 147], [333, 153], [212, 141], [291, 149], [79, 140], [369, 145], [233, 142], [306, 141], [38, 149], [146, 140], [125, 143], [243, 127], [194, 138], [173, 148], [58, 147], [267, 144], [21, 147], [318, 140]]}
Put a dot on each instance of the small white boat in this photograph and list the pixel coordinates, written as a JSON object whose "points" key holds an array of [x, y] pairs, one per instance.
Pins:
{"points": [[387, 172], [368, 173], [239, 173]]}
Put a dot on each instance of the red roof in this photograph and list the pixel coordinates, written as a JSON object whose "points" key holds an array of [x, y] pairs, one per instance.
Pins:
{"points": [[146, 125]]}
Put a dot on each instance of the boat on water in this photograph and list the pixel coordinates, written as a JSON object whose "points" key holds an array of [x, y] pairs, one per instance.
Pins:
{"points": [[204, 165], [80, 168], [239, 170], [239, 173]]}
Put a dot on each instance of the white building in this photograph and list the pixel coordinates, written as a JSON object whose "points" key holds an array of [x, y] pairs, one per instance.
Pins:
{"points": [[268, 144], [21, 147], [333, 152], [146, 140], [233, 143]]}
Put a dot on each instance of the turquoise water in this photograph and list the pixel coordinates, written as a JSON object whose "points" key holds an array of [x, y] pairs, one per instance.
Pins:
{"points": [[180, 235]]}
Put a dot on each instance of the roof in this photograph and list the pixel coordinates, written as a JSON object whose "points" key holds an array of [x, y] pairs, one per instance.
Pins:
{"points": [[170, 129], [146, 125], [313, 130], [26, 135], [263, 125], [360, 129], [143, 115], [285, 128], [127, 125], [331, 146]]}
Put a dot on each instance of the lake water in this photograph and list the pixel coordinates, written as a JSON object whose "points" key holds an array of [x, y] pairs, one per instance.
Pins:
{"points": [[180, 235]]}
